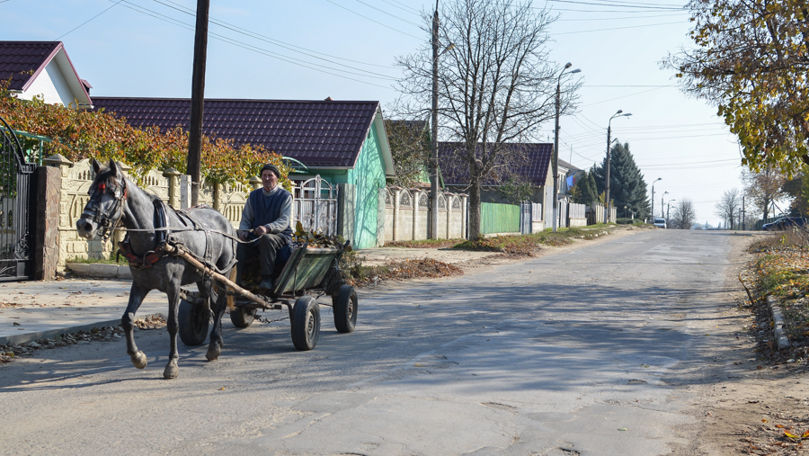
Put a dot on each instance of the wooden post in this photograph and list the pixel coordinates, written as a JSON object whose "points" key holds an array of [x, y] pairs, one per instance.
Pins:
{"points": [[197, 99]]}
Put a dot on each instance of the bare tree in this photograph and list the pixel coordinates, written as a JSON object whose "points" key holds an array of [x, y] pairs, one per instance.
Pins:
{"points": [[496, 84], [729, 206], [684, 215], [764, 187]]}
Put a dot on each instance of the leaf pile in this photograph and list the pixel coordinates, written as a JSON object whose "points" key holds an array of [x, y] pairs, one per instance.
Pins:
{"points": [[9, 353], [401, 270], [316, 239]]}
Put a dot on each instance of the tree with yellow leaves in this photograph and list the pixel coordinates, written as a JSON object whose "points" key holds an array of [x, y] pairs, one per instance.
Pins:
{"points": [[752, 60]]}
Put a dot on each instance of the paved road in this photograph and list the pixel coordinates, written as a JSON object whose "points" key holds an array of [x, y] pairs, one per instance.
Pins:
{"points": [[600, 350]]}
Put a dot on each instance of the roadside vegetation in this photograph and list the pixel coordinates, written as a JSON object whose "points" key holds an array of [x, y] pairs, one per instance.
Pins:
{"points": [[511, 246], [781, 270]]}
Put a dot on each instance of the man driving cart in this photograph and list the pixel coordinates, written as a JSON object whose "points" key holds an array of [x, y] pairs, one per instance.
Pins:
{"points": [[266, 222]]}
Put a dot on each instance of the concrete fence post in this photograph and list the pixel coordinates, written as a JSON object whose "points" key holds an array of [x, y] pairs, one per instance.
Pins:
{"points": [[173, 177]]}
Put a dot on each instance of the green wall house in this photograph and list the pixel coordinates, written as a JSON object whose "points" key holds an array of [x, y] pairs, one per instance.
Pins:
{"points": [[342, 141]]}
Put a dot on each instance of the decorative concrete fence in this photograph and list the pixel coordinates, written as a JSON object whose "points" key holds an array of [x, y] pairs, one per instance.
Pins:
{"points": [[407, 212], [576, 215], [171, 186], [314, 205]]}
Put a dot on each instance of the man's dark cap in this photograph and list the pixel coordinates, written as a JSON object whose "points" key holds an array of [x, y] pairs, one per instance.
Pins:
{"points": [[272, 168]]}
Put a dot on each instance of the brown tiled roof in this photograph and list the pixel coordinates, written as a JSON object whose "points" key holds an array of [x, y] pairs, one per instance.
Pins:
{"points": [[320, 133], [21, 60], [530, 163]]}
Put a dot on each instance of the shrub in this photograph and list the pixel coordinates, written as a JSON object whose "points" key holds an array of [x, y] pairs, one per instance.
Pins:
{"points": [[78, 134]]}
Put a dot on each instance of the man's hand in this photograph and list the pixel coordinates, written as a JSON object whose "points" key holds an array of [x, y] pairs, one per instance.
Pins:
{"points": [[242, 234], [260, 230]]}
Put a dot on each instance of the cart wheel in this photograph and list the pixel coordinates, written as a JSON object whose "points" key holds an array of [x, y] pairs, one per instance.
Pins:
{"points": [[344, 306], [305, 323], [193, 322], [242, 317]]}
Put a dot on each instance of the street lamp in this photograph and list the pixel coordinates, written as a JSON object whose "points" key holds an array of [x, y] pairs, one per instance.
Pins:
{"points": [[662, 215], [668, 209], [619, 113], [653, 196], [556, 147]]}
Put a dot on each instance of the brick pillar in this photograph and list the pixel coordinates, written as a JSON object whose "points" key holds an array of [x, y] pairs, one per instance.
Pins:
{"points": [[46, 234]]}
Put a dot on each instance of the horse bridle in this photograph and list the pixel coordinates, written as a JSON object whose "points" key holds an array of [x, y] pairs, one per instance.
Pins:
{"points": [[105, 222]]}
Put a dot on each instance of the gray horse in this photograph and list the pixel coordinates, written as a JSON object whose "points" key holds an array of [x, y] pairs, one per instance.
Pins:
{"points": [[203, 231]]}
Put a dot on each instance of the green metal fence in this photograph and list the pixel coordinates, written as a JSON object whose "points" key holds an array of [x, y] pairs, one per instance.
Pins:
{"points": [[499, 218]]}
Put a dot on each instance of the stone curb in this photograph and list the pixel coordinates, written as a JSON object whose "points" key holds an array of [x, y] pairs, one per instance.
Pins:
{"points": [[778, 323], [50, 334], [100, 271]]}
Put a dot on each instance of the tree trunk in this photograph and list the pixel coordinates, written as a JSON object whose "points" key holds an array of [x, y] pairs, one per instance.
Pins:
{"points": [[474, 210]]}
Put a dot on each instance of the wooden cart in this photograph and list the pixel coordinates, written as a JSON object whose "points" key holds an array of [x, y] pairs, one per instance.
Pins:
{"points": [[308, 274]]}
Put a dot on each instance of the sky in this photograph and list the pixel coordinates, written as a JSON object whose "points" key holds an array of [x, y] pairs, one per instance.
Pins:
{"points": [[346, 49]]}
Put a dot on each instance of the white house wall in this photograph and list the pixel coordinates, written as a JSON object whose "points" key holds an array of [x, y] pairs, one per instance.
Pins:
{"points": [[52, 86]]}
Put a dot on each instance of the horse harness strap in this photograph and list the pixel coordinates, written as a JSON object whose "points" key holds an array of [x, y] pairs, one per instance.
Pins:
{"points": [[151, 257], [164, 244]]}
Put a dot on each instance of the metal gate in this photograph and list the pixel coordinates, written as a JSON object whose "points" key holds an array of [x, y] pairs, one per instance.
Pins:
{"points": [[17, 197], [315, 205]]}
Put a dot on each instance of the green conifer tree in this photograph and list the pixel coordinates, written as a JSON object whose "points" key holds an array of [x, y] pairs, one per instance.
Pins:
{"points": [[627, 185]]}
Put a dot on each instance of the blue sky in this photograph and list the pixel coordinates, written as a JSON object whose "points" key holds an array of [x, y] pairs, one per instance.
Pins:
{"points": [[345, 49]]}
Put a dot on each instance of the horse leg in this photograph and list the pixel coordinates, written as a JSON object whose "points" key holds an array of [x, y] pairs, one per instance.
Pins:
{"points": [[173, 293], [136, 295], [219, 297]]}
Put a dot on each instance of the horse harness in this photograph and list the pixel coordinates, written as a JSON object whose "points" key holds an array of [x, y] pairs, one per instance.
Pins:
{"points": [[164, 245]]}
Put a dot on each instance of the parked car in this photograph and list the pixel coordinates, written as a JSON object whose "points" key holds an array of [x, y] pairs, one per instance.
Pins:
{"points": [[783, 223], [660, 222]]}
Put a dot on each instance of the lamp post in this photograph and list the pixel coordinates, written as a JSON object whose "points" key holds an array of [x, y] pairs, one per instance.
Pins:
{"points": [[662, 215], [653, 196], [619, 113], [556, 147], [668, 209]]}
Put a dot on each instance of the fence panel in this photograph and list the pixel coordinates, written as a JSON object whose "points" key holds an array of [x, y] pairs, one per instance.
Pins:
{"points": [[499, 218], [315, 206]]}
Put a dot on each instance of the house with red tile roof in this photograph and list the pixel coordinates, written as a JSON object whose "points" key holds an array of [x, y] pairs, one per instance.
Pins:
{"points": [[343, 141], [521, 162], [42, 69]]}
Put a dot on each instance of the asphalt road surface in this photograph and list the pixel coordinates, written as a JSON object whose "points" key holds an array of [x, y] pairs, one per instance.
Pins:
{"points": [[600, 350]]}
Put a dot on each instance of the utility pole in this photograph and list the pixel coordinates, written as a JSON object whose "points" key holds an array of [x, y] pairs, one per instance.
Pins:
{"points": [[197, 99], [653, 197], [433, 225], [662, 215], [743, 214]]}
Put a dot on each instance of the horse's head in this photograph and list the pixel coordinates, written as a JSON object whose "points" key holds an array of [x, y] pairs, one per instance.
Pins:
{"points": [[106, 205]]}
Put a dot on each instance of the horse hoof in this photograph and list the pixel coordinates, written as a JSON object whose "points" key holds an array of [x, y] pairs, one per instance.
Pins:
{"points": [[213, 352], [139, 359], [171, 371]]}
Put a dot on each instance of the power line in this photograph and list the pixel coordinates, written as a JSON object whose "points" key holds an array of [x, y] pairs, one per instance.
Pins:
{"points": [[620, 5], [279, 43], [373, 20], [629, 85], [609, 29], [387, 13], [631, 18], [58, 38], [403, 7], [259, 50]]}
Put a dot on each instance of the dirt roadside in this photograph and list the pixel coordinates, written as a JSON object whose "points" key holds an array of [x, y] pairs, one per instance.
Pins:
{"points": [[756, 400]]}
